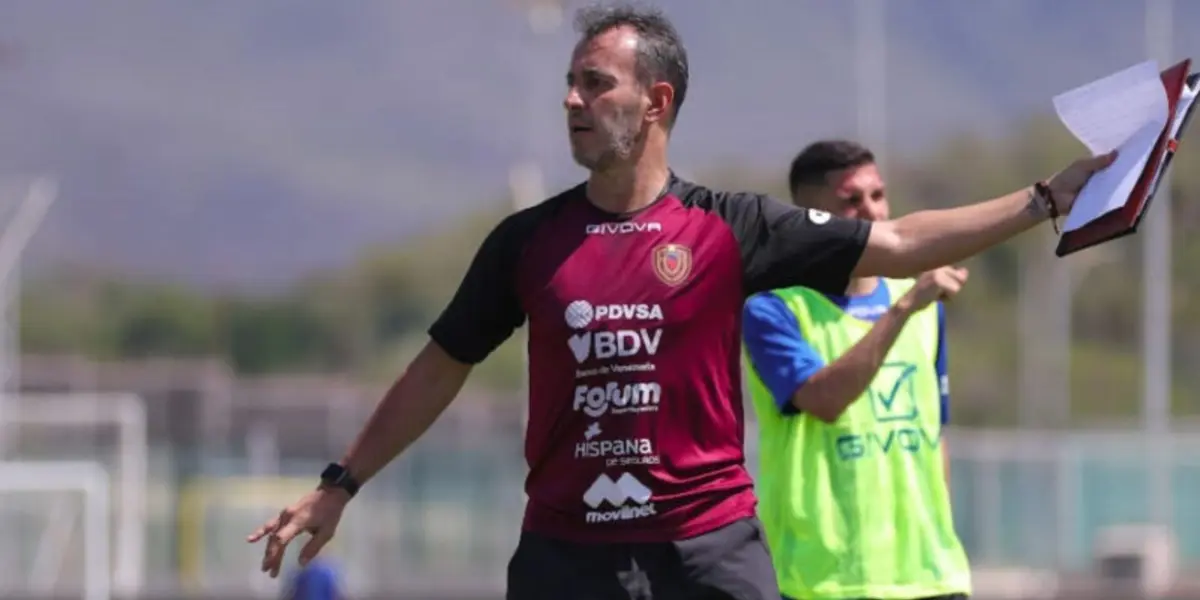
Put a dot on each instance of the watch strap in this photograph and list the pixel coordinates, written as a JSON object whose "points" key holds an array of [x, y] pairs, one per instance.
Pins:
{"points": [[337, 476]]}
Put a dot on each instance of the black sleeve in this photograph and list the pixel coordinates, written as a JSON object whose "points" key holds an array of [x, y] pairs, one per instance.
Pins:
{"points": [[785, 246], [485, 310]]}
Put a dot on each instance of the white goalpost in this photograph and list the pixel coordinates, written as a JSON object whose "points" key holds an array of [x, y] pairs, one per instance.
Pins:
{"points": [[23, 216], [49, 417], [46, 460], [88, 479], [45, 474]]}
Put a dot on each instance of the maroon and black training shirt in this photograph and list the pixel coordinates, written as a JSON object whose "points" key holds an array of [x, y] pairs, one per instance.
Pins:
{"points": [[635, 423]]}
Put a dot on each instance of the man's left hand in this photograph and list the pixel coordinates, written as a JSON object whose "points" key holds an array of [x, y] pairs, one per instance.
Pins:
{"points": [[1065, 186]]}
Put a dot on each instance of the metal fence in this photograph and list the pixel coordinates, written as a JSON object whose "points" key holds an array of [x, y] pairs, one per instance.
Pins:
{"points": [[446, 516]]}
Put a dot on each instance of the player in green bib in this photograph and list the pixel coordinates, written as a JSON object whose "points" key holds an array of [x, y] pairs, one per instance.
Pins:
{"points": [[850, 393]]}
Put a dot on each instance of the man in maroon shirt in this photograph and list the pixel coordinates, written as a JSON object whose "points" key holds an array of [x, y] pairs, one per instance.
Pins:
{"points": [[632, 285]]}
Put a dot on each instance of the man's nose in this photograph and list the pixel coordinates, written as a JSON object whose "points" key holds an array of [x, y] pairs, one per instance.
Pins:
{"points": [[573, 101], [880, 211]]}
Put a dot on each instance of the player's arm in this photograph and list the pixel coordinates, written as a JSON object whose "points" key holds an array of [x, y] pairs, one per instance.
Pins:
{"points": [[941, 367], [783, 246], [483, 314], [776, 350], [828, 393], [797, 377], [407, 410], [927, 239]]}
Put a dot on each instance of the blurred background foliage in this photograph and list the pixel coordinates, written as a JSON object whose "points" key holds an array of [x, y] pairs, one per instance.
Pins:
{"points": [[369, 317]]}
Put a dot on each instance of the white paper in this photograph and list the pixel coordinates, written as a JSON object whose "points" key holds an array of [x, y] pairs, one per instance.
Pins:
{"points": [[1186, 99], [1127, 112]]}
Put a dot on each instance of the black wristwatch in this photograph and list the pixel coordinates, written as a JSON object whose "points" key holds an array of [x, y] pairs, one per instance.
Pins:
{"points": [[336, 476]]}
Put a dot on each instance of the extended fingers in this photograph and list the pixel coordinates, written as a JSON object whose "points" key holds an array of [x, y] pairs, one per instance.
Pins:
{"points": [[280, 530], [314, 545], [278, 545], [261, 532], [288, 532]]}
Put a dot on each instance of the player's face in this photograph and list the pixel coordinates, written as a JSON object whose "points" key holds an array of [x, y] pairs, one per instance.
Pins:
{"points": [[856, 193], [605, 103]]}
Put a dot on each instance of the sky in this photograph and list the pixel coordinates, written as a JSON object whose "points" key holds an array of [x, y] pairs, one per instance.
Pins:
{"points": [[247, 143]]}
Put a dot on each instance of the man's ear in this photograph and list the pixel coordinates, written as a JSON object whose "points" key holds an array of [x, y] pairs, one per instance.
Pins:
{"points": [[662, 100]]}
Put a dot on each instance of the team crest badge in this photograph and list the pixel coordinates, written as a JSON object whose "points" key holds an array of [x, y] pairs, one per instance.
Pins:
{"points": [[672, 263]]}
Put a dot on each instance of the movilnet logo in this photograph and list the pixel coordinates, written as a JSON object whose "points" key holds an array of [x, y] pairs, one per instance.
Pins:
{"points": [[672, 263], [616, 493]]}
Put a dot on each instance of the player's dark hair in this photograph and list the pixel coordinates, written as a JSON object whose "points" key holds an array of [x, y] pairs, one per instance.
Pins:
{"points": [[660, 53], [819, 159]]}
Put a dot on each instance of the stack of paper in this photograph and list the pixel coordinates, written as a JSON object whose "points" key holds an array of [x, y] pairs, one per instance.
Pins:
{"points": [[1126, 112]]}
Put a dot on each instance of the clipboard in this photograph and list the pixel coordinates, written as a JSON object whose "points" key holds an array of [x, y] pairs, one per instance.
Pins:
{"points": [[1124, 221]]}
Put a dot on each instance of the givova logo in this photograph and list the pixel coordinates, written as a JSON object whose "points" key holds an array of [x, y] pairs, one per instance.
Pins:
{"points": [[893, 402], [619, 228], [628, 497]]}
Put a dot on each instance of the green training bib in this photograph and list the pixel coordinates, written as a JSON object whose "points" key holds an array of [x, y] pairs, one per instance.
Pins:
{"points": [[860, 508]]}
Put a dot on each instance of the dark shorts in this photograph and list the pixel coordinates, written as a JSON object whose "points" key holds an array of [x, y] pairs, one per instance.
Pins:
{"points": [[729, 563], [949, 597]]}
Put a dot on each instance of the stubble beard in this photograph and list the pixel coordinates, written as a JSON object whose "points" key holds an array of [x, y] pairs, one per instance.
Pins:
{"points": [[621, 132]]}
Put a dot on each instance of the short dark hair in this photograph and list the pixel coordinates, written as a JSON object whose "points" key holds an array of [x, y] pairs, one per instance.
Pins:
{"points": [[819, 159], [660, 53]]}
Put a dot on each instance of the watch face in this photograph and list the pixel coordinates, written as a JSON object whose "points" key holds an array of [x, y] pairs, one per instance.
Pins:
{"points": [[333, 473]]}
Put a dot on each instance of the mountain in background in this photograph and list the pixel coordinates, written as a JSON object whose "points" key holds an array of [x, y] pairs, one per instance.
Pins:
{"points": [[248, 143]]}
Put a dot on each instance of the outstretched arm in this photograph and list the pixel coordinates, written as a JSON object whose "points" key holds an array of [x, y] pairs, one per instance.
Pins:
{"points": [[483, 313], [784, 246], [408, 409], [927, 239]]}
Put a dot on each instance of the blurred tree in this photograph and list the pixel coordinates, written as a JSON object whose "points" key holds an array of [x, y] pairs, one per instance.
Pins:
{"points": [[160, 321], [266, 335], [370, 318], [59, 314]]}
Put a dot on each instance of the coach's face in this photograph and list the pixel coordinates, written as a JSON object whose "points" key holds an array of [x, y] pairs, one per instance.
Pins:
{"points": [[857, 193], [607, 106]]}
